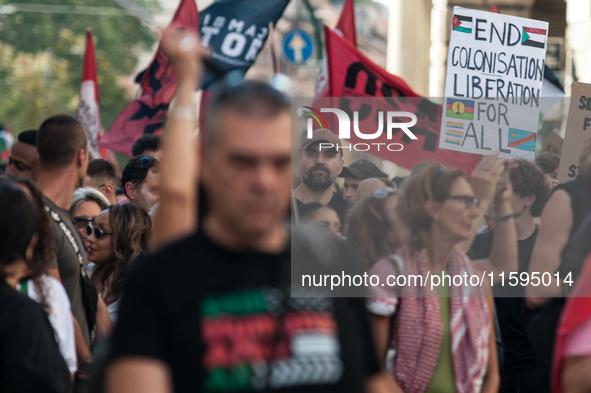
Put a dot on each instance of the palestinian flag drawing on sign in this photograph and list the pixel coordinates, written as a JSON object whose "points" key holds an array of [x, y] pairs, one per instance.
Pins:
{"points": [[522, 140], [462, 23], [533, 37]]}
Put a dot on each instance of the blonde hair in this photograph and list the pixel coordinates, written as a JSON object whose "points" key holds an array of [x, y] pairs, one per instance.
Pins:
{"points": [[88, 194], [431, 183]]}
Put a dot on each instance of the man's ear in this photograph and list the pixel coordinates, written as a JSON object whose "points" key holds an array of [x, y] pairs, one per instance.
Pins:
{"points": [[530, 200], [81, 157], [130, 190], [108, 190]]}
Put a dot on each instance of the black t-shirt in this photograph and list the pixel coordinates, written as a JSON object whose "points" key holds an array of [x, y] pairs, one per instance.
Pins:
{"points": [[214, 317], [30, 360], [339, 204], [511, 310]]}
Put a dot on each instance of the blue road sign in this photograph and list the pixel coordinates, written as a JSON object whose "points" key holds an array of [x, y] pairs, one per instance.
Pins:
{"points": [[298, 46]]}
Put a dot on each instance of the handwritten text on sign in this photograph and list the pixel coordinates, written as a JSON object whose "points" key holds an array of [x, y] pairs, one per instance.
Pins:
{"points": [[495, 70]]}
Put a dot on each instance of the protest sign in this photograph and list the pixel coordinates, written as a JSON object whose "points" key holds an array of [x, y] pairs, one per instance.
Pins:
{"points": [[495, 70], [578, 131], [357, 83]]}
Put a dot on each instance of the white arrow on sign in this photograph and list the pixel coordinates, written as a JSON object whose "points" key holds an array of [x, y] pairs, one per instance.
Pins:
{"points": [[297, 44]]}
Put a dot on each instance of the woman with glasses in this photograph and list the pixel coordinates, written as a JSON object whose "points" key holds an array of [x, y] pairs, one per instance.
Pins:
{"points": [[454, 348], [120, 234], [86, 204]]}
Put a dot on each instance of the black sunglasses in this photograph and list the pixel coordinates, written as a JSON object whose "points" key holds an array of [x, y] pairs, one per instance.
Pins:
{"points": [[98, 233], [142, 163], [83, 222]]}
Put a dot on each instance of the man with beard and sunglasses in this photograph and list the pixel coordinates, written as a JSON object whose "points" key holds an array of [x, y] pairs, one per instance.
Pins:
{"points": [[319, 167]]}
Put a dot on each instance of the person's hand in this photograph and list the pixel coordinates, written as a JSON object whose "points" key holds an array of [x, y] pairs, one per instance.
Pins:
{"points": [[503, 194], [183, 50], [485, 177]]}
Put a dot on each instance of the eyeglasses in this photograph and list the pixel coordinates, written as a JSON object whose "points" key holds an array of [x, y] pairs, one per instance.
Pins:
{"points": [[467, 199], [383, 193], [142, 162], [84, 223]]}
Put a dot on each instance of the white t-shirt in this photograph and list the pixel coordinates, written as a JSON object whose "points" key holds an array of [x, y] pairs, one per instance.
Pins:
{"points": [[60, 317]]}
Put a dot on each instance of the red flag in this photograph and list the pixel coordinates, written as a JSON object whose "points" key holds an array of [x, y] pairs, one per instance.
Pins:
{"points": [[88, 112], [352, 74], [147, 114], [346, 24], [494, 9]]}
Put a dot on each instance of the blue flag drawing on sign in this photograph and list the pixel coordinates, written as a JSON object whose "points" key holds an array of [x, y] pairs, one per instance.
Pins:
{"points": [[522, 140], [298, 46], [235, 32]]}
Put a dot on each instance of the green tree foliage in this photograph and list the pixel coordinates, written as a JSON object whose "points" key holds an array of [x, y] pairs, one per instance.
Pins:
{"points": [[42, 55]]}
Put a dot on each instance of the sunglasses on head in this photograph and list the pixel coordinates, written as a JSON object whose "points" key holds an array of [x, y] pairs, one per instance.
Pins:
{"points": [[83, 222], [142, 163], [383, 193]]}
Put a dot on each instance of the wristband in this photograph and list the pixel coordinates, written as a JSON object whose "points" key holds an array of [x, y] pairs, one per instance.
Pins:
{"points": [[502, 218], [184, 113]]}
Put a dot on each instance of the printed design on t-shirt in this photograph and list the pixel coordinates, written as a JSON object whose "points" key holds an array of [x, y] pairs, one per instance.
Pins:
{"points": [[257, 338]]}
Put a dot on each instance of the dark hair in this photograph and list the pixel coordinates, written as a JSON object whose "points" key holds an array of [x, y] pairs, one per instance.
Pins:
{"points": [[119, 191], [146, 142], [430, 182], [251, 99], [131, 227], [528, 180], [101, 172], [548, 162], [29, 137], [58, 141], [134, 175], [18, 224], [43, 253], [307, 211]]}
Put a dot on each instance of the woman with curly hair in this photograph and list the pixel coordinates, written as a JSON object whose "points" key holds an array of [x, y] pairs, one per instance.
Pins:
{"points": [[40, 286], [119, 236], [373, 229]]}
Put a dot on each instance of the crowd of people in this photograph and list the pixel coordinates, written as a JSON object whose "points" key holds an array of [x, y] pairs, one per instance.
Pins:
{"points": [[177, 275]]}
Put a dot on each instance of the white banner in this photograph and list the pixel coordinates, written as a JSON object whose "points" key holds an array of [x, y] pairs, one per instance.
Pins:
{"points": [[493, 87]]}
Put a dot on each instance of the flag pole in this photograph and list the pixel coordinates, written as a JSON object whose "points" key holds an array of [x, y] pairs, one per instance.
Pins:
{"points": [[276, 68]]}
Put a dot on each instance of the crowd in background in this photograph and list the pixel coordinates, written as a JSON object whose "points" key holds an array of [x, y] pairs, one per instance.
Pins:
{"points": [[175, 276]]}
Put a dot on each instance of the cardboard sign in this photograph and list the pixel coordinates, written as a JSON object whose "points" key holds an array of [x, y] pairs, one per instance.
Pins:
{"points": [[578, 131], [495, 70]]}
